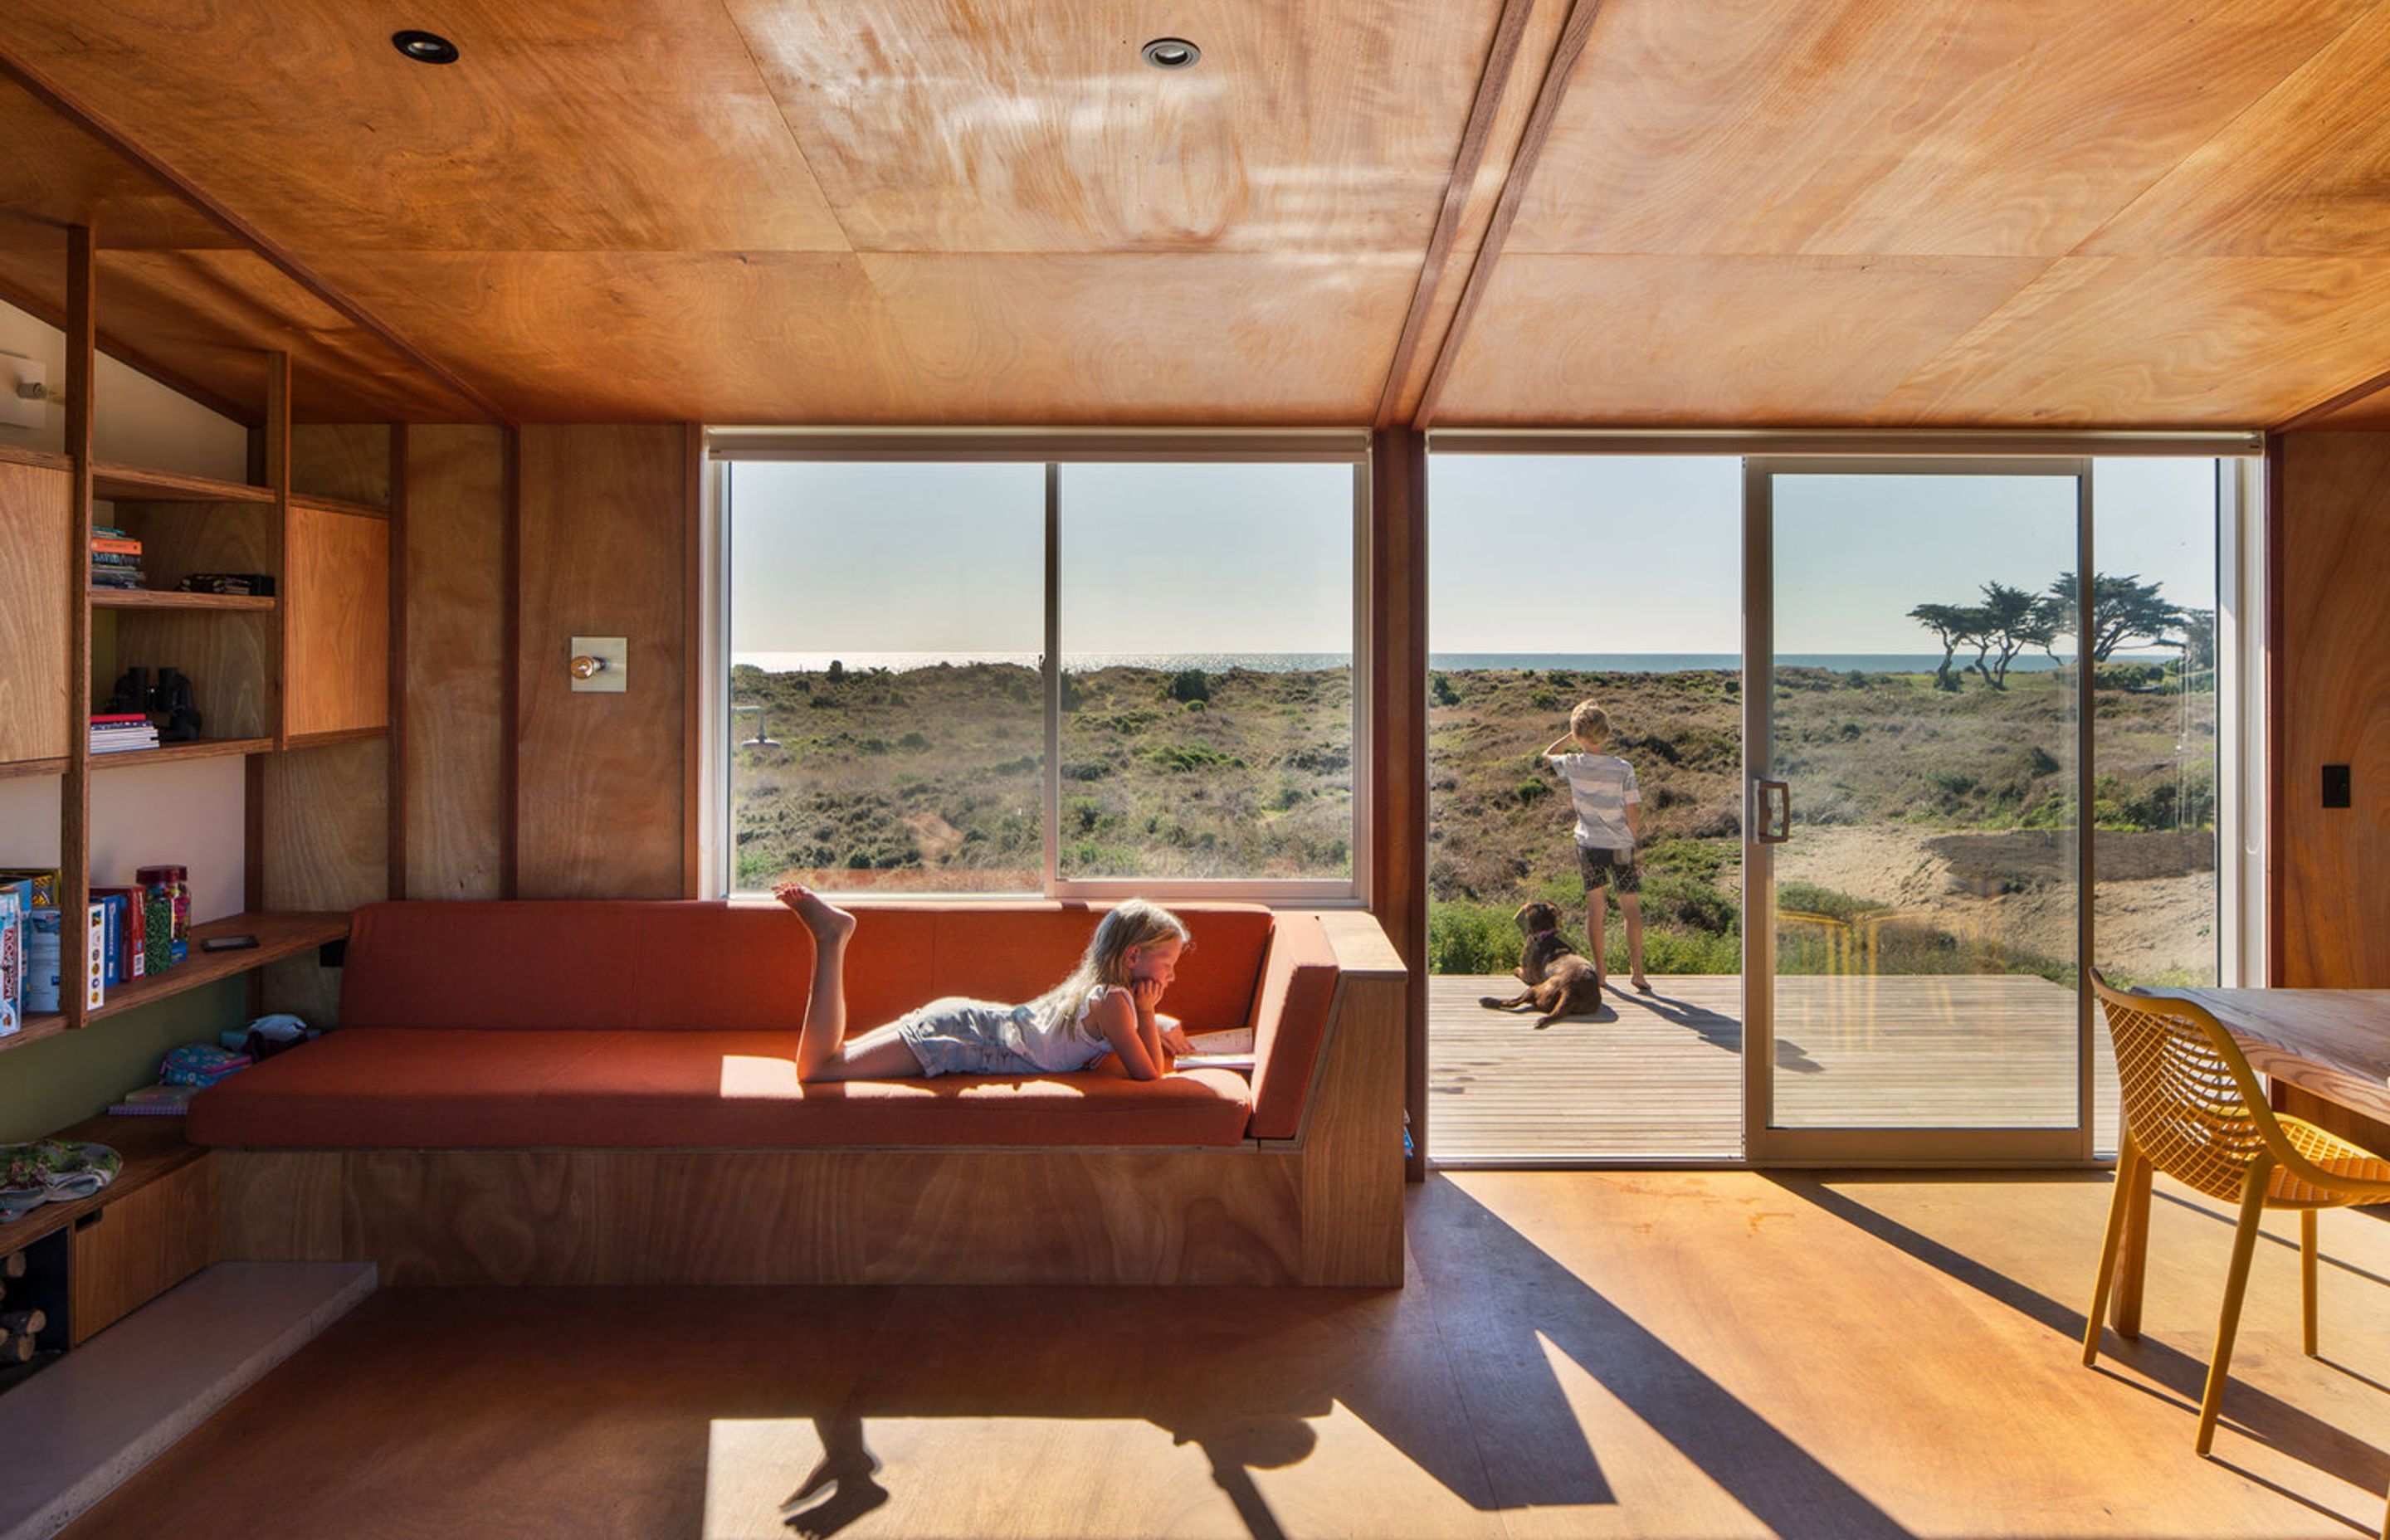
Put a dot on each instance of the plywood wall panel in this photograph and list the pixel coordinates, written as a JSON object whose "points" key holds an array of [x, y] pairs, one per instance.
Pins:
{"points": [[452, 762], [325, 838], [347, 460], [338, 595], [2331, 682], [35, 532], [599, 808], [323, 843]]}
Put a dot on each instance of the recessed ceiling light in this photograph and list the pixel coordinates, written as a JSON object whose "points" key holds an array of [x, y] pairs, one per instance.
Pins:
{"points": [[424, 47], [1171, 53]]}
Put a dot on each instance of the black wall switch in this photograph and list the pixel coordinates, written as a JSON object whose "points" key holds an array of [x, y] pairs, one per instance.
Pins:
{"points": [[2335, 785]]}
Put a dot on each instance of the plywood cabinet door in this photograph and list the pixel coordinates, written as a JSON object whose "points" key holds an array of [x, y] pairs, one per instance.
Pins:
{"points": [[33, 599], [337, 594], [130, 1252]]}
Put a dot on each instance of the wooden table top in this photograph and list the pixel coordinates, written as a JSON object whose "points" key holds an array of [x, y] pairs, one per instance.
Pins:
{"points": [[2335, 1042]]}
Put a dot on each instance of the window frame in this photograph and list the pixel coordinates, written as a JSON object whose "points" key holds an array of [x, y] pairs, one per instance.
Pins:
{"points": [[726, 446]]}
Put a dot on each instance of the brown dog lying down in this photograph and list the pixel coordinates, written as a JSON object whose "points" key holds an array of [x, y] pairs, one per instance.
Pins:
{"points": [[1560, 982]]}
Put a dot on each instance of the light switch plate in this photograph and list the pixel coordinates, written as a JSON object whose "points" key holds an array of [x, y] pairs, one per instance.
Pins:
{"points": [[17, 411], [613, 651]]}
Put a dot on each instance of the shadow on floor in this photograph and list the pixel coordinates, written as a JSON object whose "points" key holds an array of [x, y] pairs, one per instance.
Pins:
{"points": [[2265, 1418], [1451, 1372]]}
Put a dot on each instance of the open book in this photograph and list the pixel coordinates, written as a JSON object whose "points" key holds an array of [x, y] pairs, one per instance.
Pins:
{"points": [[1232, 1050]]}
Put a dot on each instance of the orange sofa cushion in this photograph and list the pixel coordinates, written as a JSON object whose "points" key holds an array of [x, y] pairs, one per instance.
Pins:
{"points": [[628, 965], [385, 1087], [660, 1023]]}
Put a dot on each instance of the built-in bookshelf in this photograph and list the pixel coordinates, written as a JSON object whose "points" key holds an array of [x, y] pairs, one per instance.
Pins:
{"points": [[295, 682], [279, 936]]}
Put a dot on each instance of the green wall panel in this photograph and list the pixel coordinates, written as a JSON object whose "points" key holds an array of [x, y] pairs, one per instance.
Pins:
{"points": [[62, 1080]]}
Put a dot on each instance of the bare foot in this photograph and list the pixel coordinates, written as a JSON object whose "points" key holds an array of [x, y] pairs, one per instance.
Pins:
{"points": [[829, 924], [1642, 984]]}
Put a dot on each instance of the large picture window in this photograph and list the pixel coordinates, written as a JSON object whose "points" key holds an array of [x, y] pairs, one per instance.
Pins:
{"points": [[1068, 676]]}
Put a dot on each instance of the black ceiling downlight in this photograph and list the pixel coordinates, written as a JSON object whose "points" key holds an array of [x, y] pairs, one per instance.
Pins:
{"points": [[1171, 53], [424, 47]]}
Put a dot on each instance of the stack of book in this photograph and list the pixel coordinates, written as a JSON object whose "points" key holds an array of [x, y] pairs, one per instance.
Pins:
{"points": [[156, 1101], [115, 558], [115, 732]]}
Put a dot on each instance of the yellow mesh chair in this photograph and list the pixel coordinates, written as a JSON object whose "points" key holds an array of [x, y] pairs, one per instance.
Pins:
{"points": [[2193, 1109]]}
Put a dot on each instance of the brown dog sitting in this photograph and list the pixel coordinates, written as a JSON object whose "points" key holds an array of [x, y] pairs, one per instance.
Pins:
{"points": [[1560, 982]]}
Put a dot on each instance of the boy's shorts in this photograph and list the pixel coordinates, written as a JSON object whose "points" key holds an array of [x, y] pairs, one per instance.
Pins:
{"points": [[1602, 867]]}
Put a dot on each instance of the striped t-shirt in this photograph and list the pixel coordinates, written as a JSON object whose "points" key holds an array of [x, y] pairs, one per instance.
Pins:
{"points": [[1602, 786]]}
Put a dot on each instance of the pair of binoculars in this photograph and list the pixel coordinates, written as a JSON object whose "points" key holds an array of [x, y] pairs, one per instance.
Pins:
{"points": [[167, 704]]}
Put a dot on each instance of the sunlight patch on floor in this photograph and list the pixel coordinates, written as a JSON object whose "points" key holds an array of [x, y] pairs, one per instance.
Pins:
{"points": [[1002, 1476], [1658, 1491]]}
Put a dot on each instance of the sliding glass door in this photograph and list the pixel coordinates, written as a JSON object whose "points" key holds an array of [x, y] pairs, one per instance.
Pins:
{"points": [[1914, 862]]}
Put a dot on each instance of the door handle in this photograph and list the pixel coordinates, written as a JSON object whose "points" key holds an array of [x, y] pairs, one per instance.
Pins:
{"points": [[1782, 823]]}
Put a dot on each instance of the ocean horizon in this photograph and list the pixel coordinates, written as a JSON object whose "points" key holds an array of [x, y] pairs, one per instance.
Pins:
{"points": [[1289, 663]]}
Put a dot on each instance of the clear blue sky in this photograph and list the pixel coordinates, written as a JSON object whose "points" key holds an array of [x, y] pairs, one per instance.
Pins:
{"points": [[1528, 554], [870, 557], [1613, 553]]}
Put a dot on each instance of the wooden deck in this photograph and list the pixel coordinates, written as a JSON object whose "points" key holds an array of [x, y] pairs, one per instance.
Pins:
{"points": [[1660, 1076]]}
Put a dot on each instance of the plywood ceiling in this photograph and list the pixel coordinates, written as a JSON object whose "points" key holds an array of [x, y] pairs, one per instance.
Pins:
{"points": [[1744, 212]]}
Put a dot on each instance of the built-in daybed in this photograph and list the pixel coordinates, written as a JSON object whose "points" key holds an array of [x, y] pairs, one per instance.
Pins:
{"points": [[605, 1092]]}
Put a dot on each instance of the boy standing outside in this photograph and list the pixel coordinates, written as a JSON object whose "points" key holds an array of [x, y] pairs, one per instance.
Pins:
{"points": [[1602, 785]]}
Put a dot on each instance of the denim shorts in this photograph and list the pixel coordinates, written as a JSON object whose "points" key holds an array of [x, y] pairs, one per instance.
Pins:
{"points": [[963, 1037]]}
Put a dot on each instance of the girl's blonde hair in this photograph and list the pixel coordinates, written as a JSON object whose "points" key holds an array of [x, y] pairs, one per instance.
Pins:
{"points": [[1589, 722], [1132, 923]]}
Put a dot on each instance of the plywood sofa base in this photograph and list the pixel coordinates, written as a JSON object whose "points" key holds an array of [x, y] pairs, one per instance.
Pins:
{"points": [[647, 1216]]}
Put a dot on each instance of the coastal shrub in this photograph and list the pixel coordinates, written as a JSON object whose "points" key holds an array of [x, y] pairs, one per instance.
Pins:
{"points": [[1700, 858], [1179, 758], [1716, 821], [912, 740], [1544, 701], [1691, 904], [1668, 950], [2190, 803], [1440, 690], [1470, 938], [1809, 898], [1190, 684], [835, 673], [1532, 790]]}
